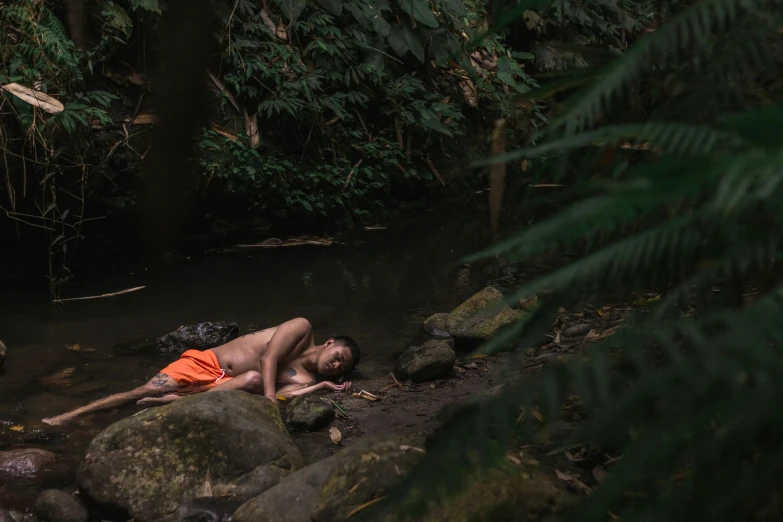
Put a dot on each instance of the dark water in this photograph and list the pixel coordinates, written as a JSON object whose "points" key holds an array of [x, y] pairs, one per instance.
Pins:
{"points": [[376, 287]]}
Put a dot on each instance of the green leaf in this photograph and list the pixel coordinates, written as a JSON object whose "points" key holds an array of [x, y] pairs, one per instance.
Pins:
{"points": [[291, 8], [117, 17], [402, 39], [306, 205], [429, 120], [380, 25], [456, 7], [334, 7], [147, 5], [420, 11]]}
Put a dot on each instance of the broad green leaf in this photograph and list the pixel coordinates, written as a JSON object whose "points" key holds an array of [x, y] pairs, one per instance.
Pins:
{"points": [[380, 25], [420, 11], [147, 5], [291, 8], [429, 120], [117, 17], [334, 7], [402, 39], [456, 7]]}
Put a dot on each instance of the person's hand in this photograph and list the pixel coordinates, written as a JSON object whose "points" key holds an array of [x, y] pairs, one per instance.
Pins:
{"points": [[337, 387]]}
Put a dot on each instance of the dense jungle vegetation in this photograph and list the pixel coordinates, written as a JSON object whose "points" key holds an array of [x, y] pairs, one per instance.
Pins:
{"points": [[659, 124]]}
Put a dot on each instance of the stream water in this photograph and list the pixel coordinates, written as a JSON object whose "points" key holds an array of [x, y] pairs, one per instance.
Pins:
{"points": [[377, 286]]}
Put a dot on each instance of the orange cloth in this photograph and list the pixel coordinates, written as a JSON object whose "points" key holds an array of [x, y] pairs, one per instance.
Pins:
{"points": [[196, 368]]}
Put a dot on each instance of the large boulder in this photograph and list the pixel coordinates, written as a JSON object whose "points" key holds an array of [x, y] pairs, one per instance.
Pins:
{"points": [[3, 353], [54, 505], [227, 443], [25, 462], [481, 317], [331, 489], [308, 413], [201, 336], [431, 360]]}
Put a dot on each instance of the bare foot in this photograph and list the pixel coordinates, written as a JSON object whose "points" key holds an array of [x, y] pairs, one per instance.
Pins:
{"points": [[54, 421]]}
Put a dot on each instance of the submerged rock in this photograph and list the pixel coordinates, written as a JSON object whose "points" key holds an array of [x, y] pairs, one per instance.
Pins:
{"points": [[431, 360], [25, 462], [331, 489], [230, 444], [54, 505], [481, 317], [3, 353], [308, 414], [435, 326], [203, 509], [201, 336]]}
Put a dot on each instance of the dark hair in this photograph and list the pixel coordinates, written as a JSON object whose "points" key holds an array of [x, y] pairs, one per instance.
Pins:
{"points": [[352, 346]]}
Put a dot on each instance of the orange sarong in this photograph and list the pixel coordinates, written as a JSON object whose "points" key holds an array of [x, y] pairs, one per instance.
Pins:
{"points": [[196, 368]]}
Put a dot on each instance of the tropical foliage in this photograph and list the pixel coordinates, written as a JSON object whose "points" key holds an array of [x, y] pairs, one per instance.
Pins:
{"points": [[671, 156]]}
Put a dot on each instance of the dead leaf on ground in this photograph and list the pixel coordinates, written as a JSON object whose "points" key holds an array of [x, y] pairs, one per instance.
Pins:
{"points": [[225, 133], [335, 435], [35, 98], [469, 92], [573, 458], [145, 118], [513, 458], [599, 472], [16, 428], [411, 448], [74, 347], [593, 336], [567, 477]]}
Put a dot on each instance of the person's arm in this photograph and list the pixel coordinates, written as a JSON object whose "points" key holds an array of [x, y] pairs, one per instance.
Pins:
{"points": [[288, 335], [294, 390]]}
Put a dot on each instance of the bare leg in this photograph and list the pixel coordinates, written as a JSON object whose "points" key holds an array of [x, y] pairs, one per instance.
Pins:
{"points": [[159, 384], [249, 381]]}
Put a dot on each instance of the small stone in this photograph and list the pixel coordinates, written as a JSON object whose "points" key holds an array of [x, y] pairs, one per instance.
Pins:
{"points": [[24, 462], [435, 326], [54, 505], [431, 360], [308, 414], [577, 330], [471, 366]]}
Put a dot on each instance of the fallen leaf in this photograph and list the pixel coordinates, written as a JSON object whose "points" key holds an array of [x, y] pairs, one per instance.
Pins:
{"points": [[145, 118], [281, 397], [572, 457], [645, 300], [411, 448], [537, 415], [335, 435], [74, 347], [567, 477], [599, 473], [524, 165], [479, 356], [60, 378], [513, 458], [371, 457], [469, 92], [16, 428], [35, 98]]}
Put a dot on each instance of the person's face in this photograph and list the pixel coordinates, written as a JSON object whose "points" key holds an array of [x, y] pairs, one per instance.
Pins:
{"points": [[335, 359]]}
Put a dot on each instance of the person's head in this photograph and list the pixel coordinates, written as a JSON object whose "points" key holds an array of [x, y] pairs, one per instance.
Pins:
{"points": [[340, 355]]}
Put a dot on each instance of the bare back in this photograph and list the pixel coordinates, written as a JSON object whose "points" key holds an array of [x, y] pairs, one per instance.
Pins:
{"points": [[244, 354]]}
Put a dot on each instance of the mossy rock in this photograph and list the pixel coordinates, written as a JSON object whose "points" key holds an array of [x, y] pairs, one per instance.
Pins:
{"points": [[435, 326], [227, 443], [481, 317], [308, 413], [432, 360], [331, 489], [523, 493]]}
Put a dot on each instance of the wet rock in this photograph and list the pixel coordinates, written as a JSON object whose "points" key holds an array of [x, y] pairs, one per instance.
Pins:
{"points": [[527, 493], [578, 330], [435, 326], [54, 505], [3, 353], [25, 462], [230, 444], [308, 414], [431, 360], [481, 317], [201, 336], [330, 489], [203, 509]]}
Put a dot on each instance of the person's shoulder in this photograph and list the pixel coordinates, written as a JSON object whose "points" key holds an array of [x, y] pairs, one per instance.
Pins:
{"points": [[300, 322]]}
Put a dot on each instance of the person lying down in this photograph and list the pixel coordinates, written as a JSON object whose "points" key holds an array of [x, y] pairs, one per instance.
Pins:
{"points": [[282, 360]]}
